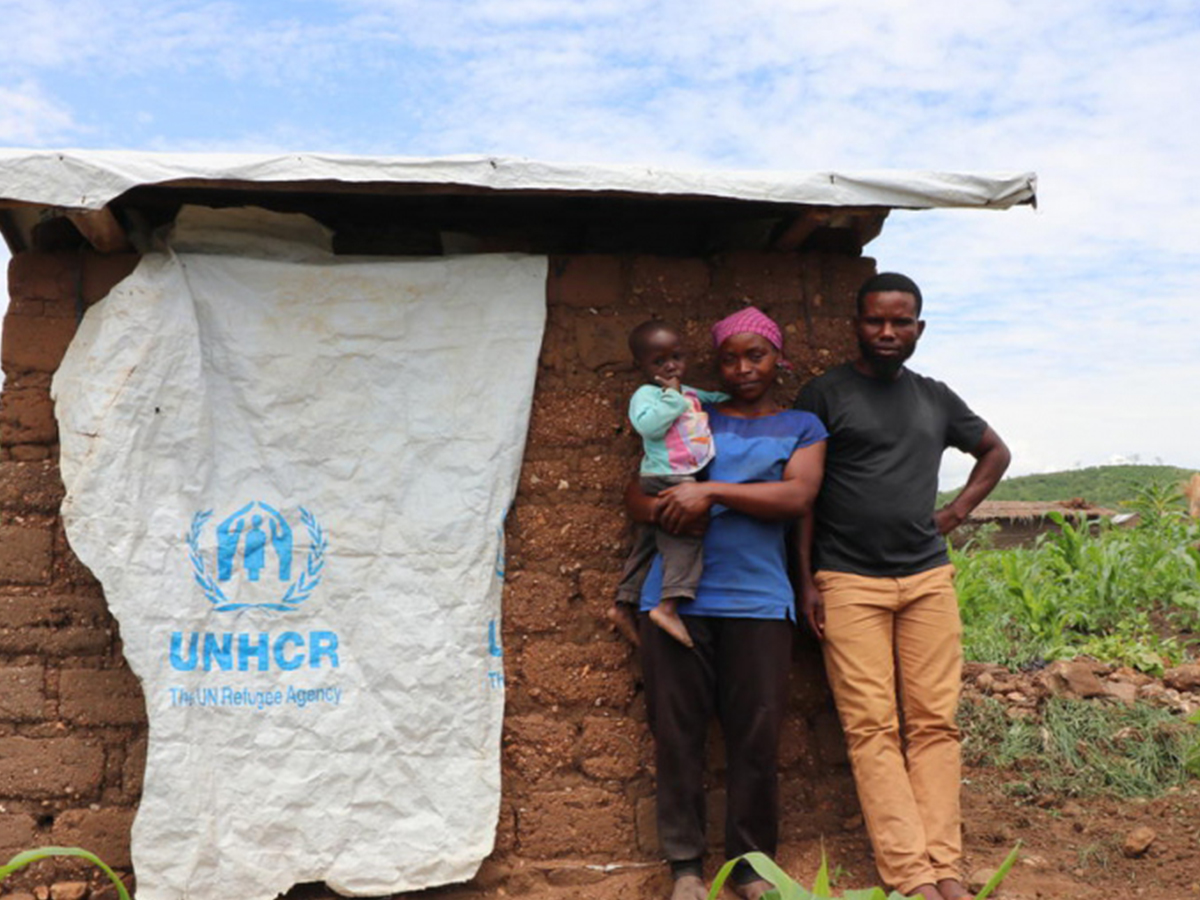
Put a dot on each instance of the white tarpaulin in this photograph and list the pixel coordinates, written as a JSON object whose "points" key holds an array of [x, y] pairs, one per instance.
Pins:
{"points": [[88, 179], [290, 478]]}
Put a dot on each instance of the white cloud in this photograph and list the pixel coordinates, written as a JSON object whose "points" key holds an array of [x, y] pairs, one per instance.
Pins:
{"points": [[28, 116], [1070, 327]]}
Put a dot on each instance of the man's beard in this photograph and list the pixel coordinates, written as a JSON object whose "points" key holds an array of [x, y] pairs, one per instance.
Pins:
{"points": [[884, 366]]}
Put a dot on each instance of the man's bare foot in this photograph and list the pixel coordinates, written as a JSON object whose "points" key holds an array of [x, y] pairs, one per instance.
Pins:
{"points": [[753, 890], [689, 887], [668, 619], [926, 892], [953, 889], [624, 618]]}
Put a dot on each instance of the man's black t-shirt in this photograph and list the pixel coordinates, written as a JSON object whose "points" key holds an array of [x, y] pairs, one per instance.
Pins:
{"points": [[874, 515]]}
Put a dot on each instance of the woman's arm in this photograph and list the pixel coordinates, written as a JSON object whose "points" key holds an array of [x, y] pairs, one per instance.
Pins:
{"points": [[785, 499]]}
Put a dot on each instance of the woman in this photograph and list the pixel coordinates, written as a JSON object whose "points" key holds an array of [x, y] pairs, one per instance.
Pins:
{"points": [[767, 470]]}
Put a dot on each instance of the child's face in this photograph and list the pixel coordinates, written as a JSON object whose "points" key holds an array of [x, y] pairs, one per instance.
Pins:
{"points": [[662, 356]]}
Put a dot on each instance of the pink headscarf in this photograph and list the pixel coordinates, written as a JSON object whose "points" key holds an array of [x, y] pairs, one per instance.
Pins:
{"points": [[750, 320]]}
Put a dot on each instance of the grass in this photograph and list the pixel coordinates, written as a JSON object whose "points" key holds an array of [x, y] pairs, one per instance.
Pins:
{"points": [[1128, 596], [1081, 749], [21, 860], [786, 888]]}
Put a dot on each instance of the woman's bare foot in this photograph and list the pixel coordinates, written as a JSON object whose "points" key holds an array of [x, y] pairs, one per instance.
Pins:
{"points": [[689, 887], [624, 618], [666, 617], [753, 890], [953, 889]]}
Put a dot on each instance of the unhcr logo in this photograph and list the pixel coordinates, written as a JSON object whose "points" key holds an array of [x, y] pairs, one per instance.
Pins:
{"points": [[253, 550]]}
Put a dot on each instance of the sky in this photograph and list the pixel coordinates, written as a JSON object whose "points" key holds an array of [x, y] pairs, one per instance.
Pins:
{"points": [[1073, 328]]}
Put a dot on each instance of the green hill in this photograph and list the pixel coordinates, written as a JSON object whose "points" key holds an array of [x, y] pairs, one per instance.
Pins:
{"points": [[1101, 485]]}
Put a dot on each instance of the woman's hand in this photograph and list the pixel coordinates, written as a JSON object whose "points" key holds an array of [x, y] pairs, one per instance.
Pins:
{"points": [[684, 508]]}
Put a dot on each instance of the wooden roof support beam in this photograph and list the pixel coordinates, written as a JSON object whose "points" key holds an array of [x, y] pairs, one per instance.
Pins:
{"points": [[801, 228], [101, 229], [868, 225]]}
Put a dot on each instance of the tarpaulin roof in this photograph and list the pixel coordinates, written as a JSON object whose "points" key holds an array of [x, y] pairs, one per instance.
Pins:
{"points": [[89, 179]]}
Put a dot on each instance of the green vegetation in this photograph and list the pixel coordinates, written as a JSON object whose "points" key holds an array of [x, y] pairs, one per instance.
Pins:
{"points": [[21, 860], [1099, 485], [1129, 596], [1079, 748], [788, 889]]}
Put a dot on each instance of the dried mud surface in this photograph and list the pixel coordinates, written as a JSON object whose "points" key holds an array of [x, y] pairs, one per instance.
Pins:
{"points": [[1070, 848]]}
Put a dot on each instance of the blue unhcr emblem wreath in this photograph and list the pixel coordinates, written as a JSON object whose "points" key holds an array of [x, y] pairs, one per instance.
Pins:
{"points": [[298, 589]]}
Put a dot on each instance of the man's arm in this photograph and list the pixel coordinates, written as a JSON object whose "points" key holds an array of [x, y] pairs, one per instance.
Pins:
{"points": [[992, 457], [812, 604]]}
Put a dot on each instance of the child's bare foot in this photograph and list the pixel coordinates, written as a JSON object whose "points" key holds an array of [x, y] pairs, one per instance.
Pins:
{"points": [[624, 619], [953, 889], [689, 887], [753, 890], [668, 619]]}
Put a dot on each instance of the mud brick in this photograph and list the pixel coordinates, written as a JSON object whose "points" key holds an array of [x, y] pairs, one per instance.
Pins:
{"points": [[841, 278], [30, 452], [568, 533], [30, 487], [27, 417], [22, 693], [829, 740], [35, 769], [68, 641], [103, 831], [43, 276], [102, 272], [796, 745], [714, 812], [765, 280], [506, 827], [572, 419], [598, 587], [669, 285], [26, 554], [537, 746], [596, 674], [591, 281], [34, 344], [21, 609], [614, 747], [606, 472], [835, 335], [535, 602], [133, 768], [543, 479], [581, 820], [16, 833], [646, 824], [101, 697], [603, 341]]}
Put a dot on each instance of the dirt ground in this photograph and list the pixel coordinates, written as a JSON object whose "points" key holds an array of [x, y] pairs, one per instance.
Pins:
{"points": [[1070, 849]]}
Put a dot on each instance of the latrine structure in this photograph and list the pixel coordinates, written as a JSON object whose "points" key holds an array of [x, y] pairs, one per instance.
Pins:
{"points": [[623, 245]]}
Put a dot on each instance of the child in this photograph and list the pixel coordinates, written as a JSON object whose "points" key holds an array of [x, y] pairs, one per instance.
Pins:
{"points": [[676, 445]]}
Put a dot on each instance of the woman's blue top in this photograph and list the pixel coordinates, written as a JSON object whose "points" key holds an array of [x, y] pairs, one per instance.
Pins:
{"points": [[745, 559]]}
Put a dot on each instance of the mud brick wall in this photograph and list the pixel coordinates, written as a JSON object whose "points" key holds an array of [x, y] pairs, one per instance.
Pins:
{"points": [[578, 767], [72, 717]]}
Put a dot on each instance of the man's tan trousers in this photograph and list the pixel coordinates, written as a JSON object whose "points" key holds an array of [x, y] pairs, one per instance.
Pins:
{"points": [[889, 640]]}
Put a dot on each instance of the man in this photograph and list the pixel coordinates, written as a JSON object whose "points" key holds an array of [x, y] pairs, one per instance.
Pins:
{"points": [[877, 584]]}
